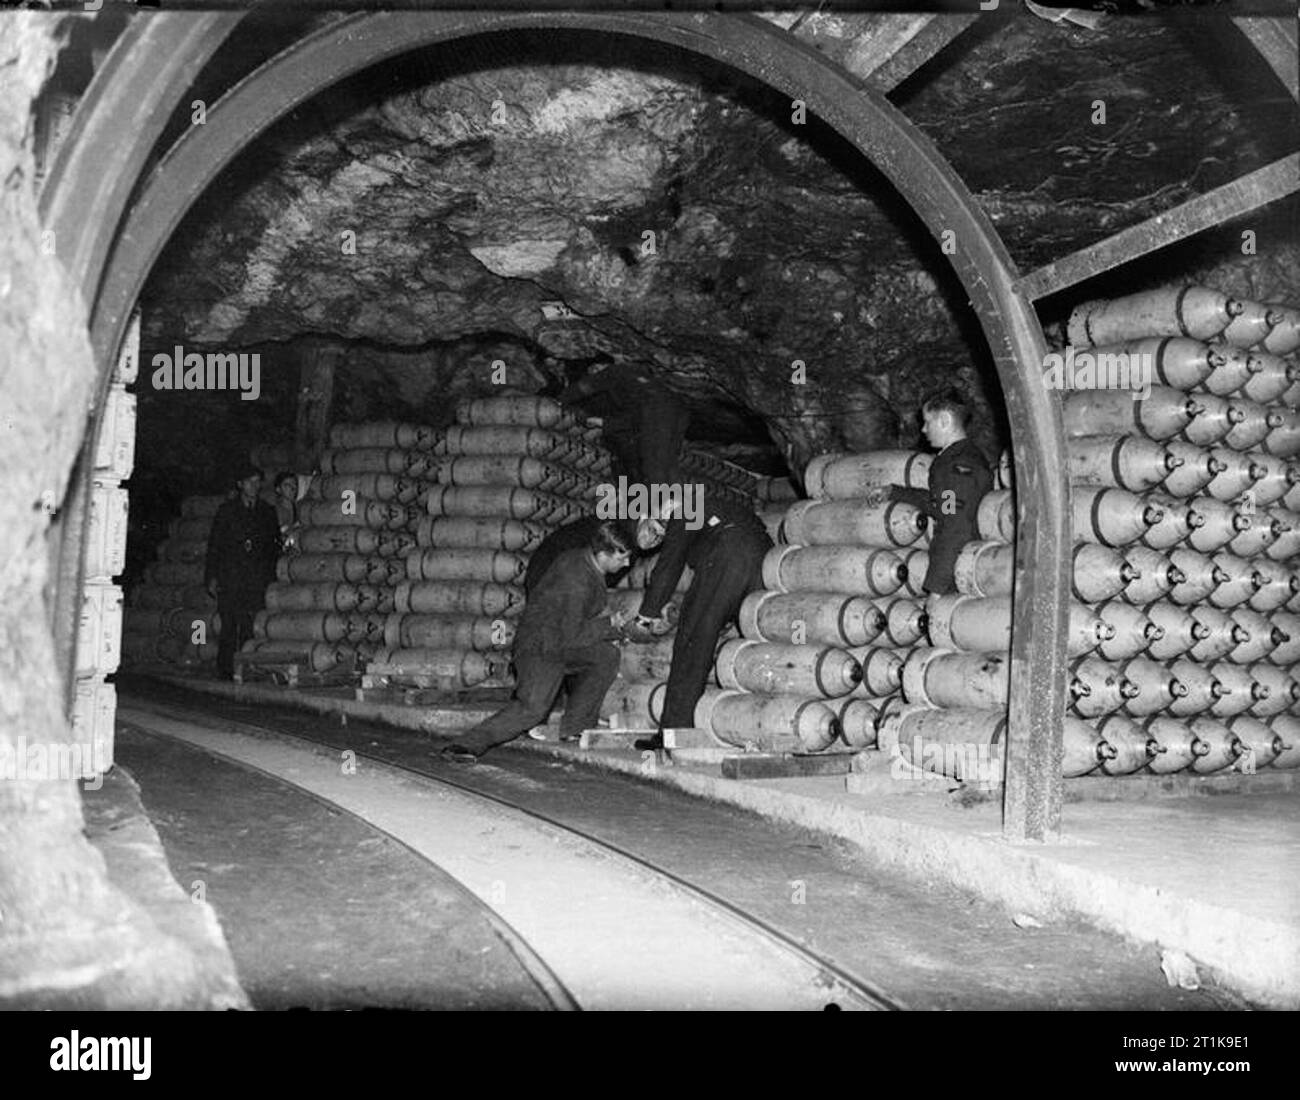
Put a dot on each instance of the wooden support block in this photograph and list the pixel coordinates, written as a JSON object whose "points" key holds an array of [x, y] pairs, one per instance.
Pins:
{"points": [[692, 737], [612, 738], [763, 765]]}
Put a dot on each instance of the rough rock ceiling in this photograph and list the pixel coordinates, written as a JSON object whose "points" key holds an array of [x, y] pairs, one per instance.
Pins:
{"points": [[486, 182]]}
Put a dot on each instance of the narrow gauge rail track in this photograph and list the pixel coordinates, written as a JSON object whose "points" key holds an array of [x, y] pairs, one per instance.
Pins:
{"points": [[844, 989]]}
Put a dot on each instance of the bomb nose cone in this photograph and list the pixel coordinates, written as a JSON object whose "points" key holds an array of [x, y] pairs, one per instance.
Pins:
{"points": [[900, 573], [1216, 466], [1236, 414], [1129, 690], [1129, 572], [1279, 636], [1258, 580], [1217, 690], [1275, 420], [1234, 307], [1153, 631], [1257, 472], [1216, 359], [1274, 317], [1259, 692], [1105, 631], [1220, 575], [1240, 633], [855, 673], [1080, 690], [1254, 364], [1172, 461], [1240, 522], [1177, 689], [1152, 514], [1176, 575], [1191, 408], [1195, 519], [1106, 751], [1200, 631], [1292, 473]]}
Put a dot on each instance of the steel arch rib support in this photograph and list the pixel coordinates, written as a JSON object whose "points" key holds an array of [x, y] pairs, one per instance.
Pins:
{"points": [[114, 130], [860, 114]]}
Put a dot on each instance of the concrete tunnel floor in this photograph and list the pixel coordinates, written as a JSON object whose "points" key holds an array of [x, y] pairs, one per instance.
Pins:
{"points": [[1208, 866]]}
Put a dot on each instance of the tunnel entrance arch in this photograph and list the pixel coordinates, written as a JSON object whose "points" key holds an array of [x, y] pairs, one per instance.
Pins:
{"points": [[113, 272]]}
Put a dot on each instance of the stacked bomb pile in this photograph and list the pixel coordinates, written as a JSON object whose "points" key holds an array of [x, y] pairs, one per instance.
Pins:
{"points": [[171, 617], [1184, 630], [416, 540], [820, 642]]}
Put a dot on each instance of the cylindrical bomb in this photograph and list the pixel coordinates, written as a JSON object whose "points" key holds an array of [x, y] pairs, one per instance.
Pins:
{"points": [[320, 656], [1173, 361], [1277, 584], [1262, 636], [1277, 482], [1288, 727], [365, 627], [827, 618], [366, 460], [1175, 522], [1258, 376], [1285, 526], [1085, 748], [506, 439], [1134, 747], [1174, 630], [905, 620], [650, 660], [1239, 581], [355, 540], [459, 667], [882, 670], [1283, 438], [1100, 572], [1214, 418], [1274, 690], [641, 705], [775, 490], [1158, 688], [500, 566], [985, 568], [1176, 745], [1098, 687], [844, 476], [386, 434], [1261, 745], [498, 502], [1250, 422], [853, 569], [1193, 311], [853, 523], [183, 550], [1197, 573], [1125, 631], [964, 744], [478, 532], [1239, 690], [415, 631], [1196, 468], [1201, 690], [312, 626], [1234, 473], [995, 516], [1161, 415], [319, 568], [174, 573], [1284, 336], [458, 598], [858, 718], [1219, 635], [917, 563], [1287, 650], [773, 669], [1224, 746], [283, 596], [163, 597], [1152, 575], [769, 723], [975, 625], [196, 528], [521, 470], [945, 678], [204, 507], [383, 487], [1233, 369], [515, 409], [1112, 517], [1250, 326], [1120, 461], [356, 513]]}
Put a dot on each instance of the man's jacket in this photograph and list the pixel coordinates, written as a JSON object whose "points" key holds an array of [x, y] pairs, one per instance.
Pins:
{"points": [[566, 609]]}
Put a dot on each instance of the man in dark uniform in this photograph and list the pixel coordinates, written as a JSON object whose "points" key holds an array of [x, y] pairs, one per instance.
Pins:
{"points": [[959, 478], [578, 534], [724, 545], [240, 563], [644, 424], [565, 630]]}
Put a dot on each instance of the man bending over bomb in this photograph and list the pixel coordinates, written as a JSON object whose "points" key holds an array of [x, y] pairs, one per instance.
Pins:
{"points": [[565, 630]]}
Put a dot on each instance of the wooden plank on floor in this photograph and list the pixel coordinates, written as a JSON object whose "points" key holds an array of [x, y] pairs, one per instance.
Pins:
{"points": [[762, 765]]}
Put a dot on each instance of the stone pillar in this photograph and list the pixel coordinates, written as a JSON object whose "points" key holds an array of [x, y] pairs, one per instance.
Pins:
{"points": [[315, 397]]}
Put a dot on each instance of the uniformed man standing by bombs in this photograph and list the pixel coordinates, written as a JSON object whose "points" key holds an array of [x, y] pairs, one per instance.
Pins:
{"points": [[566, 630], [959, 478], [240, 563], [724, 544], [643, 423]]}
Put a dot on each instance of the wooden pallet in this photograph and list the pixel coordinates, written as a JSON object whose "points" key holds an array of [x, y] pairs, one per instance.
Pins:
{"points": [[289, 670]]}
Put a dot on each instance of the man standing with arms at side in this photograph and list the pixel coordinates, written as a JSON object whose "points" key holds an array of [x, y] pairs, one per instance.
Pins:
{"points": [[724, 545], [959, 478], [565, 630], [240, 563]]}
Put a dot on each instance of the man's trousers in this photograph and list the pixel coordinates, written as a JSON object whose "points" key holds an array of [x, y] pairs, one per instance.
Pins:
{"points": [[538, 679], [237, 611], [731, 568]]}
